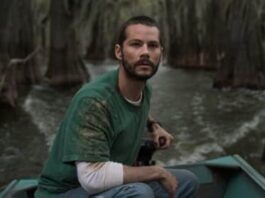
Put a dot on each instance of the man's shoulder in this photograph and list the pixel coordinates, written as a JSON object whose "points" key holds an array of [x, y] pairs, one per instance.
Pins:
{"points": [[102, 88]]}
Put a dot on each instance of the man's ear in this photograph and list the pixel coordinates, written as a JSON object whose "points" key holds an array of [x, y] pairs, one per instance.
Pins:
{"points": [[118, 52]]}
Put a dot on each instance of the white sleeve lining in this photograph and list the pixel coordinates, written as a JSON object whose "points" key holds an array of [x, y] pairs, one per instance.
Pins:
{"points": [[103, 177]]}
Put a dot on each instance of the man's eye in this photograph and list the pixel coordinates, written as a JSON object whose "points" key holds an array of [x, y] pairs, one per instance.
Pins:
{"points": [[153, 45], [136, 44]]}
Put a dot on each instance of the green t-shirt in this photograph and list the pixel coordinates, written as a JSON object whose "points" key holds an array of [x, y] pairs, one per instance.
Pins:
{"points": [[99, 125]]}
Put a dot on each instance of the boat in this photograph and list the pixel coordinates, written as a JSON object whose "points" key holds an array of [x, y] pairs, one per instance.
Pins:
{"points": [[224, 177], [227, 177]]}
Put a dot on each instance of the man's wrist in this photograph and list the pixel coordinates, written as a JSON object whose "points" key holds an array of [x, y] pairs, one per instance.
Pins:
{"points": [[161, 172]]}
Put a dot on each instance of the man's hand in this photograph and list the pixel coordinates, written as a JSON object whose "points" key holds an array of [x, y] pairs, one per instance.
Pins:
{"points": [[169, 182], [151, 173], [161, 137]]}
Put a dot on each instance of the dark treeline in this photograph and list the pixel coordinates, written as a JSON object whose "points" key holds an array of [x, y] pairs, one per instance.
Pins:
{"points": [[47, 42]]}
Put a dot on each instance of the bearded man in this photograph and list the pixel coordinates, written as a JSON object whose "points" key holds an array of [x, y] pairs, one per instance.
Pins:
{"points": [[99, 138]]}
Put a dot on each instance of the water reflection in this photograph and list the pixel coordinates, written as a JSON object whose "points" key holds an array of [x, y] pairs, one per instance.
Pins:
{"points": [[208, 122]]}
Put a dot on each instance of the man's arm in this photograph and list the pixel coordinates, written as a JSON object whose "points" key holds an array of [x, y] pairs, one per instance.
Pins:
{"points": [[151, 173], [97, 177]]}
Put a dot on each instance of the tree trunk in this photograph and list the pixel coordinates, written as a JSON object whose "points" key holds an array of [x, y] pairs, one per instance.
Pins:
{"points": [[65, 66], [214, 39], [243, 64], [16, 43], [188, 46]]}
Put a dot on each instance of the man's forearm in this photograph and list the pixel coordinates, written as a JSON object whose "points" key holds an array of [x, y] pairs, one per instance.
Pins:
{"points": [[96, 177], [151, 173], [142, 173]]}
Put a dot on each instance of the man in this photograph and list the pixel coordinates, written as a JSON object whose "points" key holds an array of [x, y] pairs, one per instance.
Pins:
{"points": [[100, 136]]}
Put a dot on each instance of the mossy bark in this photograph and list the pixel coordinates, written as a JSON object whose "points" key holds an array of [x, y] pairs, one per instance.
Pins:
{"points": [[243, 64], [16, 44], [65, 66]]}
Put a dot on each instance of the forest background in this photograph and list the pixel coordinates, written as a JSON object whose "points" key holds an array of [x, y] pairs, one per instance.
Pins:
{"points": [[57, 36]]}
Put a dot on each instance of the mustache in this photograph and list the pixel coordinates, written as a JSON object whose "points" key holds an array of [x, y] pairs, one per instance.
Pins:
{"points": [[145, 62]]}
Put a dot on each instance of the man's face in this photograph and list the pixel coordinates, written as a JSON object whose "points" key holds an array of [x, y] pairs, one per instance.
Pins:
{"points": [[141, 52]]}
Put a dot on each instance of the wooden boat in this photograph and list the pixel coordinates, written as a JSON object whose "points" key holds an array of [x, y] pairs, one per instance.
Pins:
{"points": [[226, 177]]}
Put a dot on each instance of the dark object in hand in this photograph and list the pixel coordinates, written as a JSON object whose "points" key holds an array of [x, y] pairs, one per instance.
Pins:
{"points": [[146, 152]]}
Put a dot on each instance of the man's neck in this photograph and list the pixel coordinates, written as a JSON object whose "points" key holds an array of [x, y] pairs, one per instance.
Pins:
{"points": [[128, 87]]}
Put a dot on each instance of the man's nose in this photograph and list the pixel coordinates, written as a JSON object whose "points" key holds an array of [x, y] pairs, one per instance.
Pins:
{"points": [[145, 50]]}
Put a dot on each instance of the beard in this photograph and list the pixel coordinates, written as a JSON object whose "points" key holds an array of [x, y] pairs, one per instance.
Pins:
{"points": [[131, 72]]}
